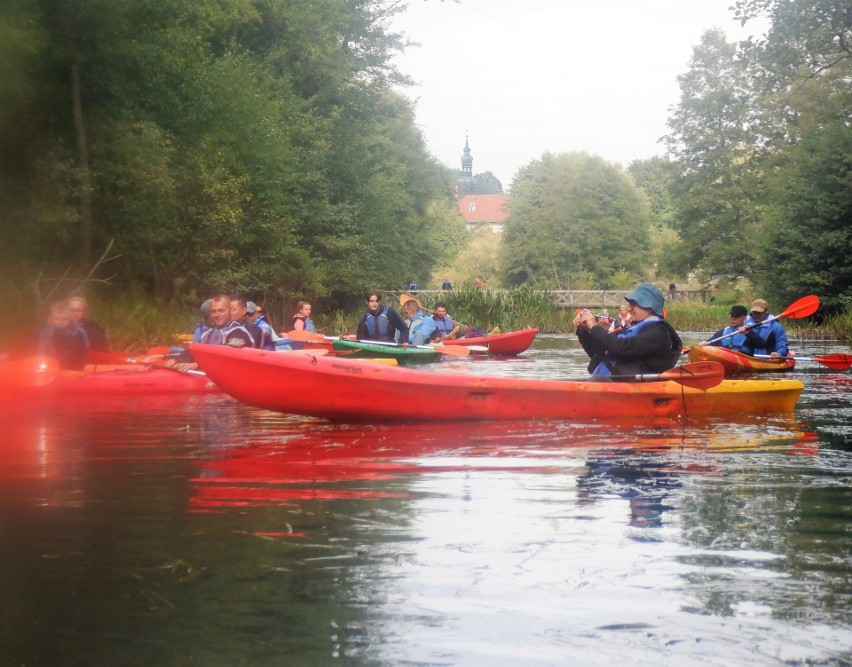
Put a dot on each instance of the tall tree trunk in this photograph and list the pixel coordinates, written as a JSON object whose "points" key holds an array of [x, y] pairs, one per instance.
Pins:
{"points": [[85, 173]]}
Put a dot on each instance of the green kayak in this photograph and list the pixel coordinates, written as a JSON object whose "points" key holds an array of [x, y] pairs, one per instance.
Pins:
{"points": [[367, 349]]}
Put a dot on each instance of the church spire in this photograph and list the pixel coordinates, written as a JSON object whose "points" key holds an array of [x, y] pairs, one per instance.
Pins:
{"points": [[466, 179]]}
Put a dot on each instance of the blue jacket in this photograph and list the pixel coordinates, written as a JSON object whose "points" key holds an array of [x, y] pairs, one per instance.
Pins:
{"points": [[422, 329]]}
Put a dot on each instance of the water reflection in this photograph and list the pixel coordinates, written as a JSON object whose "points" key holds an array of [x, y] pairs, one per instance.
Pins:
{"points": [[181, 531]]}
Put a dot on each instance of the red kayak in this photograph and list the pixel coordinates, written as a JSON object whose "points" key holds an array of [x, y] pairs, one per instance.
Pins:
{"points": [[506, 344], [35, 378], [737, 363], [351, 390]]}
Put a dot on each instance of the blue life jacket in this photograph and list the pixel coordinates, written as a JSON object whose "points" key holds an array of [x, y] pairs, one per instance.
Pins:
{"points": [[736, 342], [773, 335], [444, 324], [377, 325]]}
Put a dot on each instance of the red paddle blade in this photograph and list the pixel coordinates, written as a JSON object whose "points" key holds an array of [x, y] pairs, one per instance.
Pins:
{"points": [[699, 375], [303, 336], [839, 362], [804, 307], [453, 350]]}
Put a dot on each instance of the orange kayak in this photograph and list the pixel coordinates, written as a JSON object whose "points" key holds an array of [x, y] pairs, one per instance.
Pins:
{"points": [[351, 390], [737, 363]]}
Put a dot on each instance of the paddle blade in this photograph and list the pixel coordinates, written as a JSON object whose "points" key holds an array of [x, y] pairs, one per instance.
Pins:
{"points": [[839, 362], [303, 336], [699, 375], [804, 307], [452, 350]]}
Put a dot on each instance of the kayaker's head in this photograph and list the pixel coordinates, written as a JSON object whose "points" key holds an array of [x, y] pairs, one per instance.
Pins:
{"points": [[644, 301], [78, 308], [239, 309], [220, 310], [759, 310], [738, 315], [253, 311], [411, 308], [440, 310], [205, 310], [58, 316], [374, 300], [304, 308]]}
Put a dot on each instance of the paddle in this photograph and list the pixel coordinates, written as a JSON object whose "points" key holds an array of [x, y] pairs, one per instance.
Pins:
{"points": [[29, 372], [839, 361], [303, 336], [700, 375], [122, 357], [804, 307]]}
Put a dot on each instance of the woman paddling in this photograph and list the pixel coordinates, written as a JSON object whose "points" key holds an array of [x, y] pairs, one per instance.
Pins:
{"points": [[648, 345]]}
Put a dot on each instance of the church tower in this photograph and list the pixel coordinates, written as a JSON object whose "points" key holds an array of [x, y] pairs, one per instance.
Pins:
{"points": [[466, 180]]}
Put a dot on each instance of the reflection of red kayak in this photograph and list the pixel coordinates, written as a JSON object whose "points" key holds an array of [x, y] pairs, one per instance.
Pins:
{"points": [[507, 344], [737, 363], [349, 390]]}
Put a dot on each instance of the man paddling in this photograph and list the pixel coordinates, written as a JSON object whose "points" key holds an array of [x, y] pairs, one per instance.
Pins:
{"points": [[773, 338], [648, 345], [736, 336]]}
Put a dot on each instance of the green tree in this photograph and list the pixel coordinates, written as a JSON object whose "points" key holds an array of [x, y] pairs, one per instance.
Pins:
{"points": [[655, 177], [574, 214], [487, 183], [717, 191], [809, 227]]}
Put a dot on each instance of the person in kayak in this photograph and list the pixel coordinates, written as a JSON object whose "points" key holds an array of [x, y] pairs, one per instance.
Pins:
{"points": [[223, 331], [302, 319], [421, 329], [63, 340], [255, 316], [381, 322], [649, 345], [737, 337], [78, 311], [621, 321], [443, 322], [239, 315], [204, 324], [772, 335]]}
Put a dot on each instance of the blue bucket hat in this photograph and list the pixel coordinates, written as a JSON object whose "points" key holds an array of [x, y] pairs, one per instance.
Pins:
{"points": [[647, 296], [251, 307]]}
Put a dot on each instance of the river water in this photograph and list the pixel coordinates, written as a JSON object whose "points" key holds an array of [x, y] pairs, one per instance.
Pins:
{"points": [[199, 531]]}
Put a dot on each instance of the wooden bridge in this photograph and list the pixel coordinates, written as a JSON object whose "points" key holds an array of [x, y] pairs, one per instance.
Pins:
{"points": [[587, 298]]}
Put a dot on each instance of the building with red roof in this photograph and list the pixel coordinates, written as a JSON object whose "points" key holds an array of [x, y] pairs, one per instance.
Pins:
{"points": [[478, 210]]}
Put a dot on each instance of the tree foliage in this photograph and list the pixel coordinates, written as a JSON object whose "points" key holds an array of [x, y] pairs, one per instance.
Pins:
{"points": [[761, 141], [574, 213], [248, 144]]}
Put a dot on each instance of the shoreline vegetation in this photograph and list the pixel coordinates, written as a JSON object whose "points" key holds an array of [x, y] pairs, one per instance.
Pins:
{"points": [[135, 325]]}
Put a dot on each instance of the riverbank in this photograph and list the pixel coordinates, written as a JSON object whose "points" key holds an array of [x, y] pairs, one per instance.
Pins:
{"points": [[134, 325]]}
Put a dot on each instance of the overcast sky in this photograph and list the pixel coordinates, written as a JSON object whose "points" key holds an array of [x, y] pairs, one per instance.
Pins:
{"points": [[524, 77]]}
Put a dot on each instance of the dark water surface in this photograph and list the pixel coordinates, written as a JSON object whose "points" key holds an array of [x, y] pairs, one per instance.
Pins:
{"points": [[198, 531]]}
